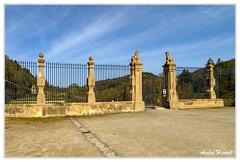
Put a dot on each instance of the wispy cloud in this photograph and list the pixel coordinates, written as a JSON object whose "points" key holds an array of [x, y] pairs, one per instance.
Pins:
{"points": [[111, 34], [79, 38]]}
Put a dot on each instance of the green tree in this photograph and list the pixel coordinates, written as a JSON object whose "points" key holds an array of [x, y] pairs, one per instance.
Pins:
{"points": [[185, 77], [18, 80]]}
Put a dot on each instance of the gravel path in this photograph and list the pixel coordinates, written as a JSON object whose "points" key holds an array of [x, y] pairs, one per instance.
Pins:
{"points": [[153, 133], [168, 133], [46, 137]]}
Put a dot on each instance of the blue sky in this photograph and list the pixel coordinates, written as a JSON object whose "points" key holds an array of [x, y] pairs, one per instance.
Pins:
{"points": [[112, 33]]}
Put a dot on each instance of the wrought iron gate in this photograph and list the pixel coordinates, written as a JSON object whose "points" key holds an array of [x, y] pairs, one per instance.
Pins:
{"points": [[152, 90]]}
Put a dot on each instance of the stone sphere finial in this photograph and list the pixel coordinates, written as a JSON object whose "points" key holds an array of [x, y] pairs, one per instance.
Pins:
{"points": [[41, 60], [90, 61], [41, 54], [90, 58]]}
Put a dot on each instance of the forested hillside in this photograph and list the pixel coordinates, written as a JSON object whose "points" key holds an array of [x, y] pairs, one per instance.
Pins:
{"points": [[18, 80]]}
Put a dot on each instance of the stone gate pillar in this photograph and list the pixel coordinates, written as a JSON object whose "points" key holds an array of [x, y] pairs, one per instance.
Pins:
{"points": [[91, 81], [132, 79], [170, 81], [136, 81], [41, 80], [210, 80]]}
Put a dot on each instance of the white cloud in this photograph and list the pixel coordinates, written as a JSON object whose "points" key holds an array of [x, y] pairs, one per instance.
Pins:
{"points": [[81, 37]]}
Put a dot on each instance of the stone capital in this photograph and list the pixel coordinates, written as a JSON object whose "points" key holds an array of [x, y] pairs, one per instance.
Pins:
{"points": [[138, 65]]}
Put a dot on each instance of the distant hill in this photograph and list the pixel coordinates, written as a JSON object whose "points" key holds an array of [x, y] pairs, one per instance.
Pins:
{"points": [[112, 83]]}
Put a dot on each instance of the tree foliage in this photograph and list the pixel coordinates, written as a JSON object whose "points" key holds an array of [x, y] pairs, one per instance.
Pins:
{"points": [[116, 89], [224, 72], [18, 80]]}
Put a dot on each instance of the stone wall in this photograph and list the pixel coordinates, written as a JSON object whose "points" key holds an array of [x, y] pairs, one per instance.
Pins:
{"points": [[71, 109], [41, 109], [200, 103]]}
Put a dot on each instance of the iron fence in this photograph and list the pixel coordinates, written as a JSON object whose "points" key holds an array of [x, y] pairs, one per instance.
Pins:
{"points": [[192, 82], [112, 83], [65, 82], [68, 83]]}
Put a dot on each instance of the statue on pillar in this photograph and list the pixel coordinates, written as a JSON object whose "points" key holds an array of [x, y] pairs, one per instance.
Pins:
{"points": [[136, 80], [169, 59], [170, 82], [135, 57]]}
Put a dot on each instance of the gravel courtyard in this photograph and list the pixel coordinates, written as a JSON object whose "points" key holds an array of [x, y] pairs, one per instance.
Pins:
{"points": [[153, 133]]}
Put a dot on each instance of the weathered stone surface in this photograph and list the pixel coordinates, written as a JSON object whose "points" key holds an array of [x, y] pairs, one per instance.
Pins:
{"points": [[200, 103], [72, 109]]}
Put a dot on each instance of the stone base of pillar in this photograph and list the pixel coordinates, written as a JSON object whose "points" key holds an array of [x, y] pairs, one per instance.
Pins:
{"points": [[212, 95], [139, 105], [41, 99], [172, 104], [91, 98]]}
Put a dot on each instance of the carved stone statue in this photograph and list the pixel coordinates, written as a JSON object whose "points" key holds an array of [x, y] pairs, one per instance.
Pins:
{"points": [[136, 56], [168, 58]]}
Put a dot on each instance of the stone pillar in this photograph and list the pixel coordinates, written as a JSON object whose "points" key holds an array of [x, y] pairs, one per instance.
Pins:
{"points": [[211, 80], [169, 69], [136, 81], [132, 80], [91, 81], [41, 80]]}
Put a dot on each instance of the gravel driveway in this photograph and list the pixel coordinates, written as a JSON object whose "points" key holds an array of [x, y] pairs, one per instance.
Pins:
{"points": [[153, 133]]}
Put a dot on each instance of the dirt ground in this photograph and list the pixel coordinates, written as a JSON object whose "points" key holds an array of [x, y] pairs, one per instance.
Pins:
{"points": [[153, 133]]}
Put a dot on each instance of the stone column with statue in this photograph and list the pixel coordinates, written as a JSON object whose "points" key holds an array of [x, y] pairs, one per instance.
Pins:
{"points": [[170, 81], [136, 81]]}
